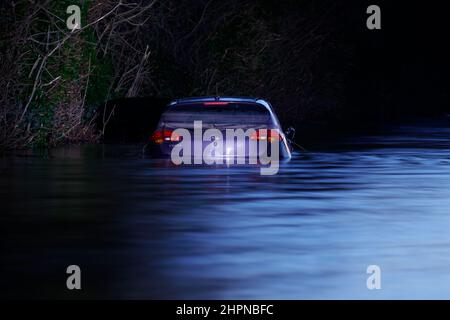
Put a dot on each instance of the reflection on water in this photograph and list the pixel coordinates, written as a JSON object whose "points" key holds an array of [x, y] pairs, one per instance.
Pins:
{"points": [[139, 228]]}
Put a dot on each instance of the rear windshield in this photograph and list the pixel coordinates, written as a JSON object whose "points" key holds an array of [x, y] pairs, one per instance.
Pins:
{"points": [[231, 114]]}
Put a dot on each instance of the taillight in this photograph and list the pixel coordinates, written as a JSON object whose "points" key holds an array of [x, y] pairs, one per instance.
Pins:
{"points": [[159, 136], [215, 103], [271, 135]]}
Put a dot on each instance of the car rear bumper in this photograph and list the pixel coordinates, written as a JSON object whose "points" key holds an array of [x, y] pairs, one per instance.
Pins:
{"points": [[238, 153]]}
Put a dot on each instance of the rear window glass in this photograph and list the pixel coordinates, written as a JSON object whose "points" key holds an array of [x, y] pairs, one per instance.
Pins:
{"points": [[233, 114]]}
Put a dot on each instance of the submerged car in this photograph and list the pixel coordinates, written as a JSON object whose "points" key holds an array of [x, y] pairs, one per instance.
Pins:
{"points": [[208, 123]]}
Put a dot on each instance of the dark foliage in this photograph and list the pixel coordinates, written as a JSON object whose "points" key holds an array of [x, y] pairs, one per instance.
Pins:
{"points": [[314, 60]]}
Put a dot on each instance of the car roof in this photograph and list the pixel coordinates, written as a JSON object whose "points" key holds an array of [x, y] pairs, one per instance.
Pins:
{"points": [[212, 99], [225, 99]]}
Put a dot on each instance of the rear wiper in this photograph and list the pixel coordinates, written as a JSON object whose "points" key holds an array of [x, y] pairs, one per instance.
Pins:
{"points": [[237, 126]]}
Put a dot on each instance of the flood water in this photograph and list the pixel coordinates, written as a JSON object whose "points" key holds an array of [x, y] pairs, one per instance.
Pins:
{"points": [[140, 228]]}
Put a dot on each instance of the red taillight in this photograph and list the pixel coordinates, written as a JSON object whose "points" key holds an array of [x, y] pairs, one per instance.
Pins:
{"points": [[215, 103], [271, 135], [159, 136]]}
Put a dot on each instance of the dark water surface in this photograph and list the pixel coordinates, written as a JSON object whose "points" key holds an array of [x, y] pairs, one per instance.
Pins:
{"points": [[139, 228]]}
